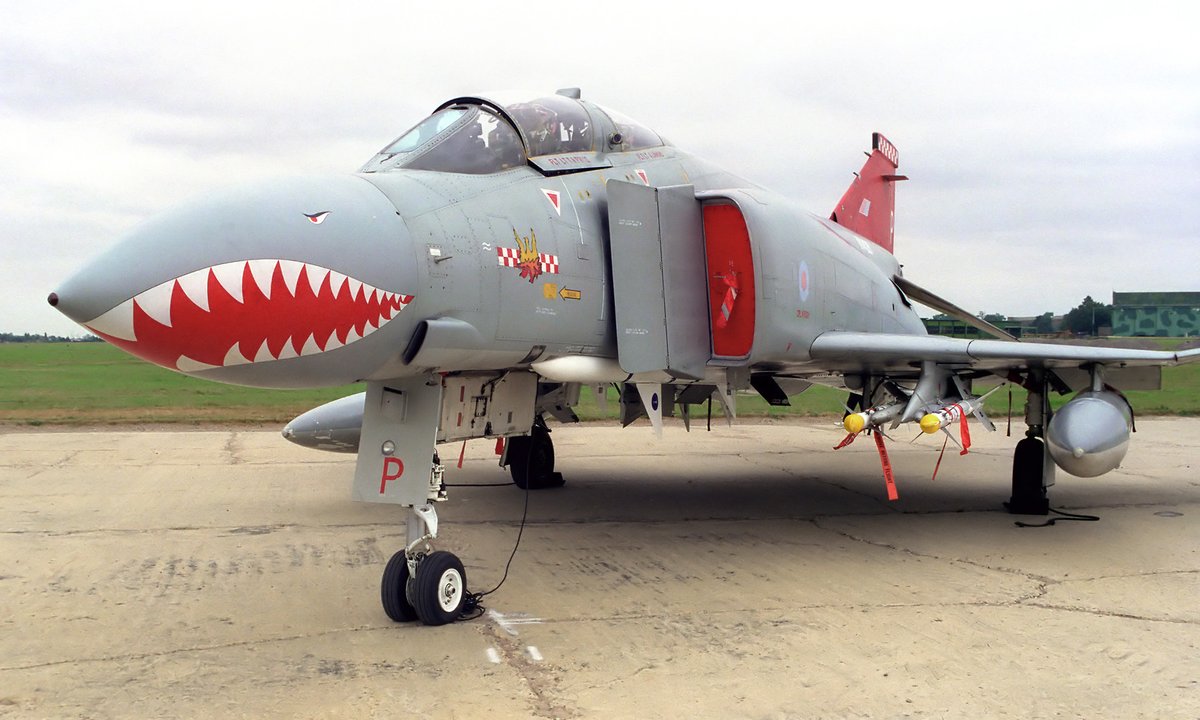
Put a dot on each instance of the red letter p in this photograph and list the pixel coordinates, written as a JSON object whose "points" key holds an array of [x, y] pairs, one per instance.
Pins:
{"points": [[392, 470]]}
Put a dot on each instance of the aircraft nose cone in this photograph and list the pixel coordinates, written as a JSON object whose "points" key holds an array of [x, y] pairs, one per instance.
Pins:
{"points": [[270, 272], [75, 301]]}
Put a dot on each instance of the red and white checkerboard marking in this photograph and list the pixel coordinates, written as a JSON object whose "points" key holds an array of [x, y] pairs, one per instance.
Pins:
{"points": [[509, 257]]}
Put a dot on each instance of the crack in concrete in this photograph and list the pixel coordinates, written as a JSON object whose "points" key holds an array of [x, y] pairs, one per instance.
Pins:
{"points": [[916, 553], [1111, 613], [194, 648], [1042, 584], [1123, 576], [56, 465], [233, 448]]}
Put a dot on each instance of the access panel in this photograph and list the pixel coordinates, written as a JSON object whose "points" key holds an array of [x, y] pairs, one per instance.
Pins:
{"points": [[658, 289]]}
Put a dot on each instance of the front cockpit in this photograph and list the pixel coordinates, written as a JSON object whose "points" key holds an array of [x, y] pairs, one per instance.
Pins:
{"points": [[479, 136]]}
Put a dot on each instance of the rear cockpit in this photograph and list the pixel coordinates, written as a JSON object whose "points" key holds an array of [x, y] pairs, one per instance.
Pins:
{"points": [[478, 136]]}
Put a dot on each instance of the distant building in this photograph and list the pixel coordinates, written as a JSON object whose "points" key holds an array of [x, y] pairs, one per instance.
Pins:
{"points": [[1029, 324], [1156, 314], [957, 328]]}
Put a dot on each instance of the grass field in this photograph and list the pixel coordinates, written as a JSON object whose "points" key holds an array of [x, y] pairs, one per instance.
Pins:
{"points": [[97, 384]]}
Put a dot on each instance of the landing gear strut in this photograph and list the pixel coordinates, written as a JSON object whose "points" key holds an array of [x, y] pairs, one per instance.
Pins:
{"points": [[397, 464], [1033, 468], [531, 459]]}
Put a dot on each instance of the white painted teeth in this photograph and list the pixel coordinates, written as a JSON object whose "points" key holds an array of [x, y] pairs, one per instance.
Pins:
{"points": [[230, 277], [234, 356], [262, 271], [310, 346], [287, 351], [186, 364], [316, 278], [117, 322], [156, 303], [195, 286], [336, 280], [291, 274], [263, 354]]}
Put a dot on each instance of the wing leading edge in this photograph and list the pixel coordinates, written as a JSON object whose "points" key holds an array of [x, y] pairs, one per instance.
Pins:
{"points": [[845, 351]]}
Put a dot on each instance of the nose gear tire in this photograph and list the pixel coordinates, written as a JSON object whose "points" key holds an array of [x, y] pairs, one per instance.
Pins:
{"points": [[393, 590], [439, 590]]}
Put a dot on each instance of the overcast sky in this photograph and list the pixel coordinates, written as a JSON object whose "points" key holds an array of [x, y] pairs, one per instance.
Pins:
{"points": [[1053, 153]]}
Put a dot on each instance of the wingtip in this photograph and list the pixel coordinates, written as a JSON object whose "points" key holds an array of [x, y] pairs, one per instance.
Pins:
{"points": [[1187, 356]]}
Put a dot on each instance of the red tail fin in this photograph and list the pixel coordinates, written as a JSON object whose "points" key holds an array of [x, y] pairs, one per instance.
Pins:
{"points": [[869, 205]]}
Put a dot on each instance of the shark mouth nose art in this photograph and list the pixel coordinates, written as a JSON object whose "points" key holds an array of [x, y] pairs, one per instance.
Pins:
{"points": [[244, 312]]}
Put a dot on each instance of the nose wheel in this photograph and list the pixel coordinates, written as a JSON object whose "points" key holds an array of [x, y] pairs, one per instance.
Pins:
{"points": [[394, 590], [439, 590], [435, 595]]}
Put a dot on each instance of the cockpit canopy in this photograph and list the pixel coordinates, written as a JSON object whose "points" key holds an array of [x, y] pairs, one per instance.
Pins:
{"points": [[478, 136]]}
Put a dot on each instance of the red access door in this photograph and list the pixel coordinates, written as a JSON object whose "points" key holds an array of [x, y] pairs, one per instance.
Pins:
{"points": [[730, 281]]}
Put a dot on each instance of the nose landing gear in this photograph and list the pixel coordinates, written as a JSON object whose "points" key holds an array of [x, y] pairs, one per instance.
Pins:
{"points": [[420, 583]]}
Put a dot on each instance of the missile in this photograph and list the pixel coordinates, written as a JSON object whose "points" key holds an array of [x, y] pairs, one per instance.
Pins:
{"points": [[874, 417], [952, 413]]}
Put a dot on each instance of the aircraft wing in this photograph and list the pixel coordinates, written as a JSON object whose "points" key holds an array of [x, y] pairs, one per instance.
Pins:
{"points": [[850, 351]]}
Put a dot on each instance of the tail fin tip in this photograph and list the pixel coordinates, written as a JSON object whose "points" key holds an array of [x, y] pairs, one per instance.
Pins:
{"points": [[868, 205]]}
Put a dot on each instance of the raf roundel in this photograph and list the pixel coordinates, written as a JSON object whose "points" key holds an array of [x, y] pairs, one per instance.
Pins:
{"points": [[805, 281]]}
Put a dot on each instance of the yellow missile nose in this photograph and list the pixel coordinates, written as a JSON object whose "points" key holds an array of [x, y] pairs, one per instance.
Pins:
{"points": [[930, 424], [854, 423]]}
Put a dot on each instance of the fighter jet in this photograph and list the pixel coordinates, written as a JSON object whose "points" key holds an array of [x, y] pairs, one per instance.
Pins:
{"points": [[497, 257]]}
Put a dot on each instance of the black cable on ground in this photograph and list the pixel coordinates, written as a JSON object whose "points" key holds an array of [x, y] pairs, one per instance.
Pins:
{"points": [[473, 606], [1065, 516]]}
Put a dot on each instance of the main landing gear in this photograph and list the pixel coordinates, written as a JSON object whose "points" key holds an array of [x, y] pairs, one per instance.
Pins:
{"points": [[530, 459], [420, 583], [1033, 468]]}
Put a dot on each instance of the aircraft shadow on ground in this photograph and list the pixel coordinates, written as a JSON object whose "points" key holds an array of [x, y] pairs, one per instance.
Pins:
{"points": [[687, 494]]}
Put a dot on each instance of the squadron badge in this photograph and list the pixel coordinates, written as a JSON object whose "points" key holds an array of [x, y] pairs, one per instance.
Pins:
{"points": [[526, 257]]}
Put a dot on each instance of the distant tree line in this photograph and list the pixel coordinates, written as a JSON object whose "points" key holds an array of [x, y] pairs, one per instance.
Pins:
{"points": [[1084, 319], [1088, 317], [43, 338]]}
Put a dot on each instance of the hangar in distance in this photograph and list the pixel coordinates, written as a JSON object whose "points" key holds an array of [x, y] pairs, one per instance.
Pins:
{"points": [[498, 256]]}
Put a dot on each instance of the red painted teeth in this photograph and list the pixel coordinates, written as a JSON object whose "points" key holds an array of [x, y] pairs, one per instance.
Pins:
{"points": [[246, 312]]}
